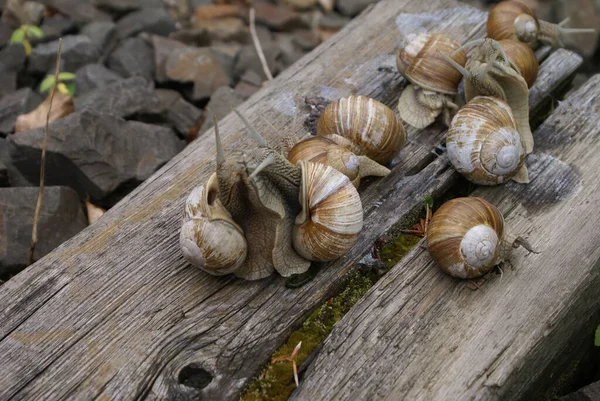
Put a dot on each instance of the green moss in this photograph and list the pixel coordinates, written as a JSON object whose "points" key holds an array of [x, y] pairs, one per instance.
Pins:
{"points": [[276, 382], [394, 250]]}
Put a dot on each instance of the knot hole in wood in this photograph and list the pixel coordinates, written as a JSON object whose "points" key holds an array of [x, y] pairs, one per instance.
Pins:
{"points": [[195, 376]]}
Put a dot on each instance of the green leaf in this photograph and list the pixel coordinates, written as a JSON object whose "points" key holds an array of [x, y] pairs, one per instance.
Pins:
{"points": [[62, 88], [17, 36], [71, 87], [47, 83], [35, 31], [66, 76], [429, 201], [27, 47], [597, 339]]}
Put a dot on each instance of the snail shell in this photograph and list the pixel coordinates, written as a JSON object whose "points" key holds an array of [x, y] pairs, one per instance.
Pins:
{"points": [[523, 58], [322, 150], [332, 215], [484, 145], [466, 237], [209, 238], [364, 126]]}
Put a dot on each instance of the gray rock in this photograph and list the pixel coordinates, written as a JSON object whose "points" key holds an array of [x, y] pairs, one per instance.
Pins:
{"points": [[13, 105], [5, 33], [176, 111], [230, 29], [93, 76], [333, 20], [278, 18], [56, 26], [77, 51], [351, 8], [15, 178], [162, 48], [192, 37], [12, 61], [590, 392], [127, 5], [133, 57], [121, 98], [94, 153], [248, 60], [102, 34], [3, 175], [290, 51], [61, 217], [34, 12], [152, 20], [200, 66], [79, 10], [219, 105]]}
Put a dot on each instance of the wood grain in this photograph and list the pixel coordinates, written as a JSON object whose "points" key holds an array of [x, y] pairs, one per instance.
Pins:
{"points": [[116, 313], [421, 335]]}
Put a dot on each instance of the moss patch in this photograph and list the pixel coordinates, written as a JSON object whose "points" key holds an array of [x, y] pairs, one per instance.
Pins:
{"points": [[394, 250]]}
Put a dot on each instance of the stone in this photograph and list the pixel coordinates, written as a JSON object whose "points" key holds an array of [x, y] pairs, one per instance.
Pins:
{"points": [[5, 33], [133, 57], [200, 66], [176, 111], [80, 10], [3, 175], [306, 39], [94, 153], [92, 76], [249, 84], [333, 21], [34, 11], [12, 61], [290, 51], [15, 178], [13, 105], [248, 60], [278, 18], [224, 29], [590, 392], [300, 5], [128, 5], [61, 217], [121, 98], [192, 37], [103, 35], [77, 51], [8, 82], [351, 8], [57, 26], [152, 20], [219, 105], [162, 48]]}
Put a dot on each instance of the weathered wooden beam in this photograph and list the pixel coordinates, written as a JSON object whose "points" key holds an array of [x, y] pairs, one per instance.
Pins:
{"points": [[117, 313], [420, 334]]}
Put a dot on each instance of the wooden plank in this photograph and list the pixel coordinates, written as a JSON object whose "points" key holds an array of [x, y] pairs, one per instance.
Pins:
{"points": [[116, 312], [420, 334]]}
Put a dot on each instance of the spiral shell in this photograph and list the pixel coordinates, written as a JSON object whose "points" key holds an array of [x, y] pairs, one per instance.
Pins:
{"points": [[209, 238], [322, 150], [523, 58], [363, 126], [484, 145], [466, 237], [501, 22], [331, 217], [406, 55], [429, 69]]}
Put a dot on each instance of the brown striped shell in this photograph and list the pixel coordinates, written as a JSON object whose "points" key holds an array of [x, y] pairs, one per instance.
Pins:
{"points": [[501, 21], [406, 55], [466, 237], [484, 145], [209, 238], [523, 58], [364, 126], [322, 150], [430, 70], [331, 217]]}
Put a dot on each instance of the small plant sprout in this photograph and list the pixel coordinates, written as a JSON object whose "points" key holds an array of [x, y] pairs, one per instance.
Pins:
{"points": [[292, 359], [61, 86], [597, 337], [24, 34]]}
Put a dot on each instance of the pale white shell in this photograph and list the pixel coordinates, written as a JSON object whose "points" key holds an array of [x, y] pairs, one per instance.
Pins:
{"points": [[209, 239], [332, 214]]}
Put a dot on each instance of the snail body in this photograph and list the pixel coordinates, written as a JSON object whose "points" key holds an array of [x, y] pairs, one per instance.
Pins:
{"points": [[484, 145], [466, 237], [331, 217], [322, 150], [364, 126], [514, 20], [433, 81]]}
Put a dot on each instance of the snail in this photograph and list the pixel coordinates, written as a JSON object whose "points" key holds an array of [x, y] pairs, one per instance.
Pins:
{"points": [[209, 237], [322, 150], [514, 20], [466, 237], [523, 59], [484, 145], [489, 72], [331, 216], [364, 126], [269, 201], [433, 82]]}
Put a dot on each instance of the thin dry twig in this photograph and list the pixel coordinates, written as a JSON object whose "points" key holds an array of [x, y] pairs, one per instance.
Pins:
{"points": [[292, 359], [38, 205], [261, 55]]}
